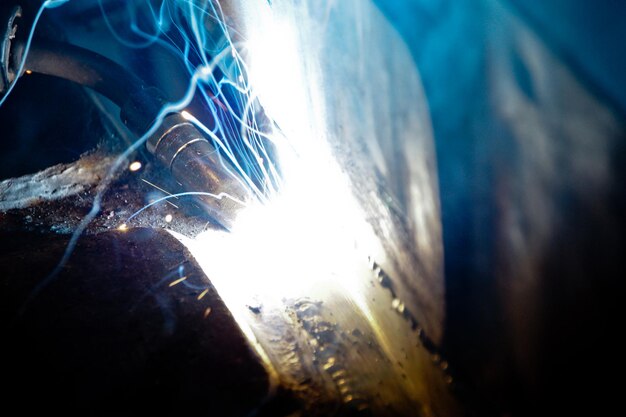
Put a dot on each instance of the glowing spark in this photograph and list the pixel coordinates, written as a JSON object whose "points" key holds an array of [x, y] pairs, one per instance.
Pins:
{"points": [[28, 72], [187, 116], [178, 281], [162, 190], [134, 166], [158, 188], [203, 293], [123, 227], [207, 312], [168, 218]]}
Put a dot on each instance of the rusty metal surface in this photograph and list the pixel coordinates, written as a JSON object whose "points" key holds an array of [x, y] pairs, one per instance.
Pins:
{"points": [[57, 199]]}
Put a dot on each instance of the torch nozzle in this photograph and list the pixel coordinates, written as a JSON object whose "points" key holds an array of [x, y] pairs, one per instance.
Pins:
{"points": [[198, 166]]}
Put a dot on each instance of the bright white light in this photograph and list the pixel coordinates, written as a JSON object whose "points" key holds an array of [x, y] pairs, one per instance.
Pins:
{"points": [[187, 116], [311, 235], [309, 239], [205, 71], [277, 73], [134, 166]]}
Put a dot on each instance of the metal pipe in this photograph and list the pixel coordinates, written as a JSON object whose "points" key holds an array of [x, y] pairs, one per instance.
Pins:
{"points": [[81, 66]]}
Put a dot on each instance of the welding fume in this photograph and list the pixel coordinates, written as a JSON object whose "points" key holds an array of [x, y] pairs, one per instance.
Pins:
{"points": [[311, 208]]}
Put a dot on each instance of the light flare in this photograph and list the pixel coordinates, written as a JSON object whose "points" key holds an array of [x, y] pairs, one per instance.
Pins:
{"points": [[310, 236], [307, 240]]}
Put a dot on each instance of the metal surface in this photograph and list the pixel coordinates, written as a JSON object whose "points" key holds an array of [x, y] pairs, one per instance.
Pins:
{"points": [[340, 358], [78, 65], [8, 16]]}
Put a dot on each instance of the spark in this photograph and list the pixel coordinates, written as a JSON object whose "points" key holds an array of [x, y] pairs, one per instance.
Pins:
{"points": [[207, 312], [202, 294], [123, 227], [168, 218], [135, 166], [162, 190], [178, 281]]}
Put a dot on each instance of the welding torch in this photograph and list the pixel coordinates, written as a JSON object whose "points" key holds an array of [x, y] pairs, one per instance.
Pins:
{"points": [[194, 162]]}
